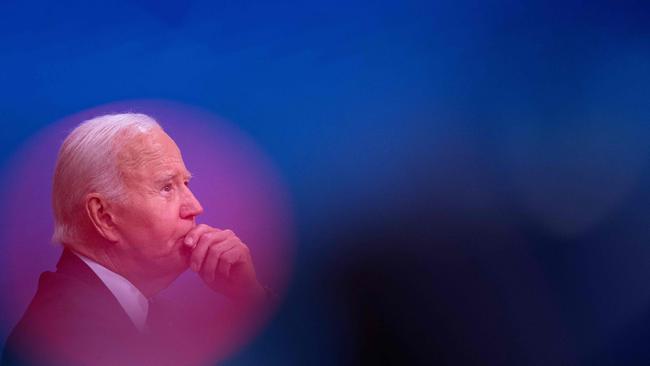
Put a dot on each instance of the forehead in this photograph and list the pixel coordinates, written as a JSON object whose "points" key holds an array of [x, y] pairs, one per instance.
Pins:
{"points": [[150, 155]]}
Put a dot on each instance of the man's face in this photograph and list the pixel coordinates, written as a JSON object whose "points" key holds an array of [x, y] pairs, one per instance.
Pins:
{"points": [[160, 208]]}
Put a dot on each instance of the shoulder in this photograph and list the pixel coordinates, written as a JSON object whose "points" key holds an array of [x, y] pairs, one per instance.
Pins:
{"points": [[61, 295], [69, 312]]}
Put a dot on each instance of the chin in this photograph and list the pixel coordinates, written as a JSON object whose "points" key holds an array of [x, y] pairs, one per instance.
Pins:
{"points": [[174, 262]]}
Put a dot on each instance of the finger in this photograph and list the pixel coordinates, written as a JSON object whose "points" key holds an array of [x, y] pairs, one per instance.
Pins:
{"points": [[212, 259], [227, 259], [192, 236], [206, 240]]}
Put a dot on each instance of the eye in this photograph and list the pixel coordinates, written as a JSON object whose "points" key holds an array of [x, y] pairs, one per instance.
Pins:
{"points": [[167, 188], [187, 183]]}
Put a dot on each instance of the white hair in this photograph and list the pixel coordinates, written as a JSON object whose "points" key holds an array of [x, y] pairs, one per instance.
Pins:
{"points": [[87, 163]]}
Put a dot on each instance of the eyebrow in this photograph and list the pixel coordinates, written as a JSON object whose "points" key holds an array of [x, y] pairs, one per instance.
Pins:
{"points": [[164, 177]]}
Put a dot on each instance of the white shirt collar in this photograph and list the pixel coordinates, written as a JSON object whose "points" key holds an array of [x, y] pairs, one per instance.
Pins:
{"points": [[134, 303]]}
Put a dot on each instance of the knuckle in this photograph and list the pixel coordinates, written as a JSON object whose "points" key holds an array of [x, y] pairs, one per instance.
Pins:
{"points": [[213, 236], [210, 235]]}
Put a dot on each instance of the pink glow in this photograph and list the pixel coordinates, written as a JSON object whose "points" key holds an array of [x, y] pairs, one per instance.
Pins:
{"points": [[234, 181]]}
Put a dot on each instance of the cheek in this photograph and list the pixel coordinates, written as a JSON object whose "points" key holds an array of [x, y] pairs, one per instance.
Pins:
{"points": [[167, 227], [158, 221]]}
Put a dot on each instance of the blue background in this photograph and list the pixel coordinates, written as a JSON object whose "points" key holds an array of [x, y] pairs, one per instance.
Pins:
{"points": [[470, 179]]}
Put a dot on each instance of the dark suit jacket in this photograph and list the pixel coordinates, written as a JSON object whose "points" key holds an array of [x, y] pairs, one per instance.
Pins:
{"points": [[75, 320]]}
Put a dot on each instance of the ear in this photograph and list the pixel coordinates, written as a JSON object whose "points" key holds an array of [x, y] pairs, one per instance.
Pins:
{"points": [[101, 217]]}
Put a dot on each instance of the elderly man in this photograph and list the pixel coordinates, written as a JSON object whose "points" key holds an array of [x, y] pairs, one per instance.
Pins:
{"points": [[125, 216]]}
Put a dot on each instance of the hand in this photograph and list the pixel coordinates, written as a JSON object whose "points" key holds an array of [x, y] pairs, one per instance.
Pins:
{"points": [[224, 263]]}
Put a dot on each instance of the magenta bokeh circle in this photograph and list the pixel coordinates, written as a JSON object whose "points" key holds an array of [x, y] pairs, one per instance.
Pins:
{"points": [[234, 180]]}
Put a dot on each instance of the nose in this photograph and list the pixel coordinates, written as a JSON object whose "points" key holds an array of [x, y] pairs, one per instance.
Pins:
{"points": [[191, 207]]}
